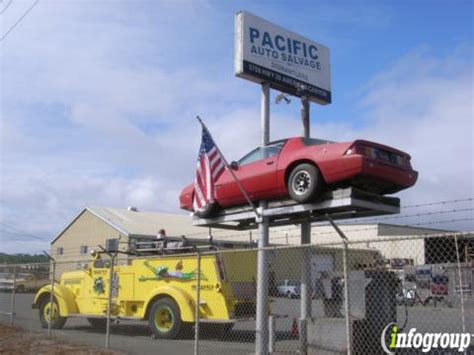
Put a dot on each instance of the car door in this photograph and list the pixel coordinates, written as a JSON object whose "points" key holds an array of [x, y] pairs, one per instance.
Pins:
{"points": [[256, 172]]}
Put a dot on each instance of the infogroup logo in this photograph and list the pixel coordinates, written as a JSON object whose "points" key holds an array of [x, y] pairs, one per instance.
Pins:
{"points": [[391, 340]]}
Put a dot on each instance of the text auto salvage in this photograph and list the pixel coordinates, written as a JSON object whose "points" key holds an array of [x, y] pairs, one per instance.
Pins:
{"points": [[290, 50]]}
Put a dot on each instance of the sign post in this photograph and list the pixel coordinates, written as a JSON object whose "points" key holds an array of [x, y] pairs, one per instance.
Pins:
{"points": [[261, 341], [277, 58]]}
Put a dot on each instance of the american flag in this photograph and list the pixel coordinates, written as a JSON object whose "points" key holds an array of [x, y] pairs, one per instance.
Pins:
{"points": [[210, 165]]}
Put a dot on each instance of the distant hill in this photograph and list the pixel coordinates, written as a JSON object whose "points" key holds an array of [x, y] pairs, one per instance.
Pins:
{"points": [[22, 258]]}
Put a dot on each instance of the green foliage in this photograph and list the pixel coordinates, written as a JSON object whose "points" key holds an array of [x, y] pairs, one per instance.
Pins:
{"points": [[22, 258]]}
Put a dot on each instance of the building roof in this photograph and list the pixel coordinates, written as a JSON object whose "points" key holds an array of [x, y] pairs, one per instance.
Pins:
{"points": [[131, 222]]}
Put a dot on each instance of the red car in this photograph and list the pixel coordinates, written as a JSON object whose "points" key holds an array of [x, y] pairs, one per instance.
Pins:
{"points": [[301, 168]]}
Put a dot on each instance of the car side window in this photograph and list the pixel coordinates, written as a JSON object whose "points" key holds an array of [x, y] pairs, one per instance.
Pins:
{"points": [[261, 153]]}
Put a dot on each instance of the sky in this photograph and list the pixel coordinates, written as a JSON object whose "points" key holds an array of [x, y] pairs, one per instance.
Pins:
{"points": [[98, 99]]}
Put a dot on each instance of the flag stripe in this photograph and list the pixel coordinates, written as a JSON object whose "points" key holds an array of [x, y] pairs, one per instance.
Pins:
{"points": [[210, 166]]}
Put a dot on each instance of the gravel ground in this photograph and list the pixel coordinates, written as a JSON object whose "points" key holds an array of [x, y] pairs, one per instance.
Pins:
{"points": [[14, 340]]}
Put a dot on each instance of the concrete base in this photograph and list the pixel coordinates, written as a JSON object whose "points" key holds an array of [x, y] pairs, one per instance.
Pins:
{"points": [[327, 336]]}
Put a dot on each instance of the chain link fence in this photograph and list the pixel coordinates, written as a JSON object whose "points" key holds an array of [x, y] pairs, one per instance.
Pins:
{"points": [[333, 298]]}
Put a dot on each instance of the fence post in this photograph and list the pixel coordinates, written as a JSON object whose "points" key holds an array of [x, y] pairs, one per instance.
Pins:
{"points": [[461, 291], [345, 244], [12, 305], [109, 300], [51, 295], [198, 301], [271, 334]]}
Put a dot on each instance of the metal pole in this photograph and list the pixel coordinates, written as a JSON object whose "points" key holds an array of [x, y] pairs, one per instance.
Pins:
{"points": [[347, 304], [271, 331], [198, 301], [109, 301], [51, 297], [261, 336], [305, 116], [265, 114], [346, 297], [305, 290], [12, 306], [460, 285]]}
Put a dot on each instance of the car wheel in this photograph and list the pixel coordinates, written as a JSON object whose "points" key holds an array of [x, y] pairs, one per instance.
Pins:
{"points": [[98, 323], [165, 319], [289, 295], [208, 211], [304, 183], [20, 289], [49, 313]]}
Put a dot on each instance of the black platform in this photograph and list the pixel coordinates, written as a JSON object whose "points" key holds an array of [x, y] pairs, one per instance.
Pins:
{"points": [[339, 204]]}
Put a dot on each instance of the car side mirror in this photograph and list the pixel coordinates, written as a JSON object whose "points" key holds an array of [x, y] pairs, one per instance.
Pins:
{"points": [[234, 165]]}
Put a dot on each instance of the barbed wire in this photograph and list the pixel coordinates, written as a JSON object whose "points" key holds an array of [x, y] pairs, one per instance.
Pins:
{"points": [[439, 202]]}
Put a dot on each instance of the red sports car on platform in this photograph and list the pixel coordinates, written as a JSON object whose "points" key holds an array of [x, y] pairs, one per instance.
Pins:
{"points": [[301, 168]]}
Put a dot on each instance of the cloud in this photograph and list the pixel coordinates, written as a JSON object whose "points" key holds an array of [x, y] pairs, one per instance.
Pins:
{"points": [[99, 106]]}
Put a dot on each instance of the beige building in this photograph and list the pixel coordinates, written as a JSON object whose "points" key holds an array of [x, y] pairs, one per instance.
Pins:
{"points": [[94, 225]]}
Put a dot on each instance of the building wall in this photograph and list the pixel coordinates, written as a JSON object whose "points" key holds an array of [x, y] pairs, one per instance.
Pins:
{"points": [[87, 230]]}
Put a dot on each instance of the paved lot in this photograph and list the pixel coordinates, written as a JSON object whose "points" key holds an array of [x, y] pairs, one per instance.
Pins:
{"points": [[135, 338]]}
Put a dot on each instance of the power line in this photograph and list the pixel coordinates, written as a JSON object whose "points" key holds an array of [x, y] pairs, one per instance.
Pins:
{"points": [[440, 202], [19, 231], [6, 7], [19, 20]]}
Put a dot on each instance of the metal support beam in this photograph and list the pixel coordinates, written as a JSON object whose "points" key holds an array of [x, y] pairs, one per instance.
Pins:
{"points": [[265, 114], [261, 336], [305, 304], [305, 116]]}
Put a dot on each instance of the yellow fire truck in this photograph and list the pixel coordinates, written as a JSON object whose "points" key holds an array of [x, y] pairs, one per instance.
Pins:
{"points": [[161, 290]]}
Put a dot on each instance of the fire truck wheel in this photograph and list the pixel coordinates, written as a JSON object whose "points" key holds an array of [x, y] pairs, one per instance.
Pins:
{"points": [[50, 313], [165, 319], [98, 323]]}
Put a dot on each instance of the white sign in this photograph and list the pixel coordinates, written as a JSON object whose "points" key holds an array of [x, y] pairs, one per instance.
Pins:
{"points": [[265, 52]]}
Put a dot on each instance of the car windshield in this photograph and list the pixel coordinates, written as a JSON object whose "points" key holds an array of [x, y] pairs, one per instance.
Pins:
{"points": [[263, 152]]}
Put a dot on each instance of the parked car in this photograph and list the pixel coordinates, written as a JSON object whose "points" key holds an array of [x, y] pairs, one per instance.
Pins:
{"points": [[289, 288], [301, 168], [24, 282]]}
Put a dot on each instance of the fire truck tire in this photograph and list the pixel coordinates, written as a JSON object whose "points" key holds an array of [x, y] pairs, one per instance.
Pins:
{"points": [[165, 319], [50, 314]]}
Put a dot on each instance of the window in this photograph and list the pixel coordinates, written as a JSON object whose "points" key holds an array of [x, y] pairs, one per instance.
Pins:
{"points": [[83, 249], [263, 152], [60, 251]]}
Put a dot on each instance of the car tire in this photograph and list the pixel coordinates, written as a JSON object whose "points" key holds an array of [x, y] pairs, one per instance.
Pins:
{"points": [[20, 289], [44, 311], [208, 211], [164, 319], [98, 323], [304, 183]]}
